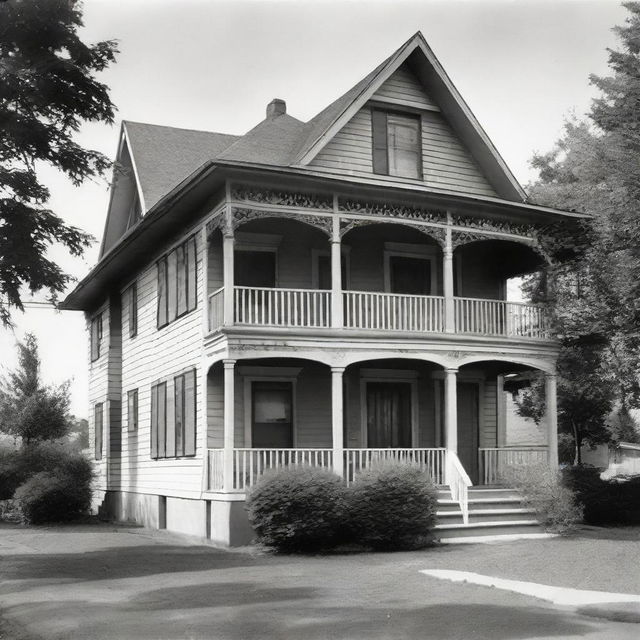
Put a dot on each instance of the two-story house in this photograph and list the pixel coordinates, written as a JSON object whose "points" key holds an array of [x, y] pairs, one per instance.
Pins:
{"points": [[330, 292]]}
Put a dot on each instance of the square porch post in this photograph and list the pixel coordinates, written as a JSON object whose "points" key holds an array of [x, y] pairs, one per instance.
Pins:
{"points": [[337, 422], [451, 410], [551, 411], [229, 422]]}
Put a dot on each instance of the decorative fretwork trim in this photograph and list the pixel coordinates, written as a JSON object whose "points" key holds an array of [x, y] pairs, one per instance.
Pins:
{"points": [[393, 211], [436, 233], [241, 215], [282, 198]]}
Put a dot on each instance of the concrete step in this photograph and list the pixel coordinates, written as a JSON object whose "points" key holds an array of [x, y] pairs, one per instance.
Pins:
{"points": [[490, 527], [487, 515]]}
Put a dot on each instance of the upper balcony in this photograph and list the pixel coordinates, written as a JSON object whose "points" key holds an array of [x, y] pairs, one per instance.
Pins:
{"points": [[277, 265]]}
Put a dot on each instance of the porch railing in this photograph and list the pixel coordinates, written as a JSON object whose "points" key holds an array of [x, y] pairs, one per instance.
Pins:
{"points": [[494, 460], [431, 461], [500, 318], [250, 464], [392, 311], [282, 307], [459, 482]]}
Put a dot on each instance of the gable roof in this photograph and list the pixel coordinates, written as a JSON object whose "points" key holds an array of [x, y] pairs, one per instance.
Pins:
{"points": [[164, 156], [429, 70]]}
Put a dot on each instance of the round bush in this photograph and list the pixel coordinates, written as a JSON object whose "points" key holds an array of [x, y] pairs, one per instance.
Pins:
{"points": [[53, 497], [11, 473], [297, 509], [392, 507]]}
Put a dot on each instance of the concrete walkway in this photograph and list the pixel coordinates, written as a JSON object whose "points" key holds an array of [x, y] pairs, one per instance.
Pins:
{"points": [[105, 582]]}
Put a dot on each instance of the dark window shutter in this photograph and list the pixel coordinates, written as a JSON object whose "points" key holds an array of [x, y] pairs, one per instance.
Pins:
{"points": [[154, 422], [181, 267], [192, 275], [190, 413], [172, 285], [132, 410], [162, 420], [162, 292], [379, 132], [98, 426], [178, 382], [133, 310]]}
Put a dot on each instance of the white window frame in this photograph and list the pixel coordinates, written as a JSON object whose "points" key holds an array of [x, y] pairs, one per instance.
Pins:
{"points": [[245, 241]]}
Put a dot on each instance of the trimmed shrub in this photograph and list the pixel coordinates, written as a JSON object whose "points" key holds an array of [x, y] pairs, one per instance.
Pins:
{"points": [[605, 502], [12, 473], [55, 482], [392, 507], [543, 490], [52, 497], [297, 509]]}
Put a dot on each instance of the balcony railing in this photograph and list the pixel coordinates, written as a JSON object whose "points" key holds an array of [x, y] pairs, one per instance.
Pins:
{"points": [[250, 464], [393, 311], [493, 461], [269, 307], [500, 318]]}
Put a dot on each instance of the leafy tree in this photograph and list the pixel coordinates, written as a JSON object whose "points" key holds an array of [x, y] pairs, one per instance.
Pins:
{"points": [[28, 409], [595, 293], [79, 429], [48, 89]]}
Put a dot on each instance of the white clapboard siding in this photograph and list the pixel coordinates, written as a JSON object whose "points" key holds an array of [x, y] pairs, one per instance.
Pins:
{"points": [[158, 355], [98, 392], [404, 86], [447, 163]]}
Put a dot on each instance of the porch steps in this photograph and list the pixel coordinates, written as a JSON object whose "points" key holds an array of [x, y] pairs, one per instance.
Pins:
{"points": [[495, 513]]}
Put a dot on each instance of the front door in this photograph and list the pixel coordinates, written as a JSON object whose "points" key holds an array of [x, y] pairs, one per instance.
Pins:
{"points": [[272, 415], [468, 423], [388, 415]]}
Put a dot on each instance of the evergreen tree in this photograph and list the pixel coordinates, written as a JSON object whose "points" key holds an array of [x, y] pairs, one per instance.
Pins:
{"points": [[48, 89], [30, 410]]}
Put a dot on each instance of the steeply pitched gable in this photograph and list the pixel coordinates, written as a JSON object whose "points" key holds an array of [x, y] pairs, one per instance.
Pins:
{"points": [[416, 56]]}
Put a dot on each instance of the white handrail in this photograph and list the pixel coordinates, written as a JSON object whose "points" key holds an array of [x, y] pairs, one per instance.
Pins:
{"points": [[459, 482]]}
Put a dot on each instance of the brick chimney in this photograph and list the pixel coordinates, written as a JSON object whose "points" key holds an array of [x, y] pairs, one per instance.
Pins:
{"points": [[276, 108]]}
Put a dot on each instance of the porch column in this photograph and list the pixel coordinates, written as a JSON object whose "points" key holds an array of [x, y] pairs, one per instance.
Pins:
{"points": [[337, 421], [336, 275], [551, 411], [451, 410], [229, 422], [447, 276], [228, 244]]}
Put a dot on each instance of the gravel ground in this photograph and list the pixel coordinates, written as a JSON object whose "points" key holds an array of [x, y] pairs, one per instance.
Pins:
{"points": [[105, 581]]}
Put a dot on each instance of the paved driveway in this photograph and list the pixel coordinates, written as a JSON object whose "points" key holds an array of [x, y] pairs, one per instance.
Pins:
{"points": [[101, 581]]}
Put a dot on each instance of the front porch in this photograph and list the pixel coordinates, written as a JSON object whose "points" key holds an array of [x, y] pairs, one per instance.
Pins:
{"points": [[272, 413]]}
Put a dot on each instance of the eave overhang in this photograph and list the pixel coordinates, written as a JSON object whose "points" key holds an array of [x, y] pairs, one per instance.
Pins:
{"points": [[192, 195]]}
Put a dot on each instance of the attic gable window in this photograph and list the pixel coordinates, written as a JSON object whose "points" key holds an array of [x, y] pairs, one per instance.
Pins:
{"points": [[396, 144], [177, 282]]}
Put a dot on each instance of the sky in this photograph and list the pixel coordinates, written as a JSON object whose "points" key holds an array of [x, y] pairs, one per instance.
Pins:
{"points": [[523, 67]]}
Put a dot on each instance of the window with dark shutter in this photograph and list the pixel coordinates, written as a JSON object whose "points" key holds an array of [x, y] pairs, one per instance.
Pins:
{"points": [[96, 337], [190, 413], [158, 420], [132, 411], [98, 424], [133, 310], [397, 144], [177, 283]]}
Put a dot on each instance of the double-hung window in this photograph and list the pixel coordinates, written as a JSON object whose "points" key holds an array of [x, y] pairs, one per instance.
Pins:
{"points": [[96, 336], [132, 411], [133, 310], [98, 426], [397, 144], [177, 282]]}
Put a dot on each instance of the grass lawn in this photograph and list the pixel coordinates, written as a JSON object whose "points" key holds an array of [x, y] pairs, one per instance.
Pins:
{"points": [[101, 581]]}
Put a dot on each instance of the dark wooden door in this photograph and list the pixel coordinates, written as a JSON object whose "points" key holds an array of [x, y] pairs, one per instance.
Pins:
{"points": [[388, 415], [468, 427]]}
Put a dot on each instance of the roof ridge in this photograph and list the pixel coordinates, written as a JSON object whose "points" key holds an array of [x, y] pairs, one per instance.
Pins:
{"points": [[168, 126]]}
